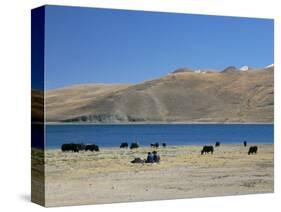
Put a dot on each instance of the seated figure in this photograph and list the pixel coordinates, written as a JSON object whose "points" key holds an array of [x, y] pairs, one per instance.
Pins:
{"points": [[149, 158], [156, 157]]}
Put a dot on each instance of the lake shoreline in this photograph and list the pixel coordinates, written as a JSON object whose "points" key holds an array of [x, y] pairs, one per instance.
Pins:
{"points": [[160, 123], [108, 176], [169, 146]]}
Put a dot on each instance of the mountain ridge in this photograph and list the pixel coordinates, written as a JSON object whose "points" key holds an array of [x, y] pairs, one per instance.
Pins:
{"points": [[182, 96]]}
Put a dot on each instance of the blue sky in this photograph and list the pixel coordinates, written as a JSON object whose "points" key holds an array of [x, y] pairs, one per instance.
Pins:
{"points": [[87, 45]]}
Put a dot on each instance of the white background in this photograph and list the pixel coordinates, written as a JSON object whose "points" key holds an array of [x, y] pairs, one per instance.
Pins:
{"points": [[15, 103]]}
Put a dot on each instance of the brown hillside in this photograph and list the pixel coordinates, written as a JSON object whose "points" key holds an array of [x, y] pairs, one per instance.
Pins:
{"points": [[230, 96]]}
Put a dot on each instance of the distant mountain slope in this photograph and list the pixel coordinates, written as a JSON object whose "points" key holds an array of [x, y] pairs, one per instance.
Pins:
{"points": [[67, 102], [182, 96]]}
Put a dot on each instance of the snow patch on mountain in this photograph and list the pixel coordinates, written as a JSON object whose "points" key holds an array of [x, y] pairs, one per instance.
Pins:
{"points": [[244, 68], [269, 66]]}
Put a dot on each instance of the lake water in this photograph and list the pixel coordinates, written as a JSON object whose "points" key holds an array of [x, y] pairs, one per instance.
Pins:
{"points": [[172, 134]]}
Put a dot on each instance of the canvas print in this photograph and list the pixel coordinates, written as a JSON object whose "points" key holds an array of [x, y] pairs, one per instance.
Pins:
{"points": [[139, 106]]}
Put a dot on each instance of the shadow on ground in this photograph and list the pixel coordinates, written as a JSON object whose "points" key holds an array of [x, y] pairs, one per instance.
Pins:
{"points": [[25, 197]]}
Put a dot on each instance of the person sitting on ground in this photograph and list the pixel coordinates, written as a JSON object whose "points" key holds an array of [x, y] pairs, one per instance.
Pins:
{"points": [[156, 157], [149, 158]]}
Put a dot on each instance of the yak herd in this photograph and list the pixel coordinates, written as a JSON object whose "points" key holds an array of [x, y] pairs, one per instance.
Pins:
{"points": [[72, 147], [76, 147], [210, 149], [136, 145]]}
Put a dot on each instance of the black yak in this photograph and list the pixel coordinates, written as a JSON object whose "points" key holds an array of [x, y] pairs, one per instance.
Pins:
{"points": [[69, 147], [252, 150], [207, 149], [156, 145], [134, 146], [124, 145], [92, 147]]}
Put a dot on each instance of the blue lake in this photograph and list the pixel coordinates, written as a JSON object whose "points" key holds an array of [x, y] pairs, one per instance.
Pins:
{"points": [[172, 134]]}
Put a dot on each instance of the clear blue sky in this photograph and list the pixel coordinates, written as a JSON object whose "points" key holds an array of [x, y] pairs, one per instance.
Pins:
{"points": [[86, 45]]}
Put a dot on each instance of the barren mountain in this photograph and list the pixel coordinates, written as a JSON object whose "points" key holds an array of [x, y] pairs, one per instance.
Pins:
{"points": [[182, 96], [69, 102]]}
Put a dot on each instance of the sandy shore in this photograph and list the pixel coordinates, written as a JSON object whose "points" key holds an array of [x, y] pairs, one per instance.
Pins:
{"points": [[108, 176]]}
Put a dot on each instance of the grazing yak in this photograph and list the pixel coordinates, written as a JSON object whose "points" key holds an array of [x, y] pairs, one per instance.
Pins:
{"points": [[217, 144], [70, 147], [245, 143], [207, 149], [124, 145], [252, 150], [156, 145], [92, 147], [164, 144], [134, 146]]}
